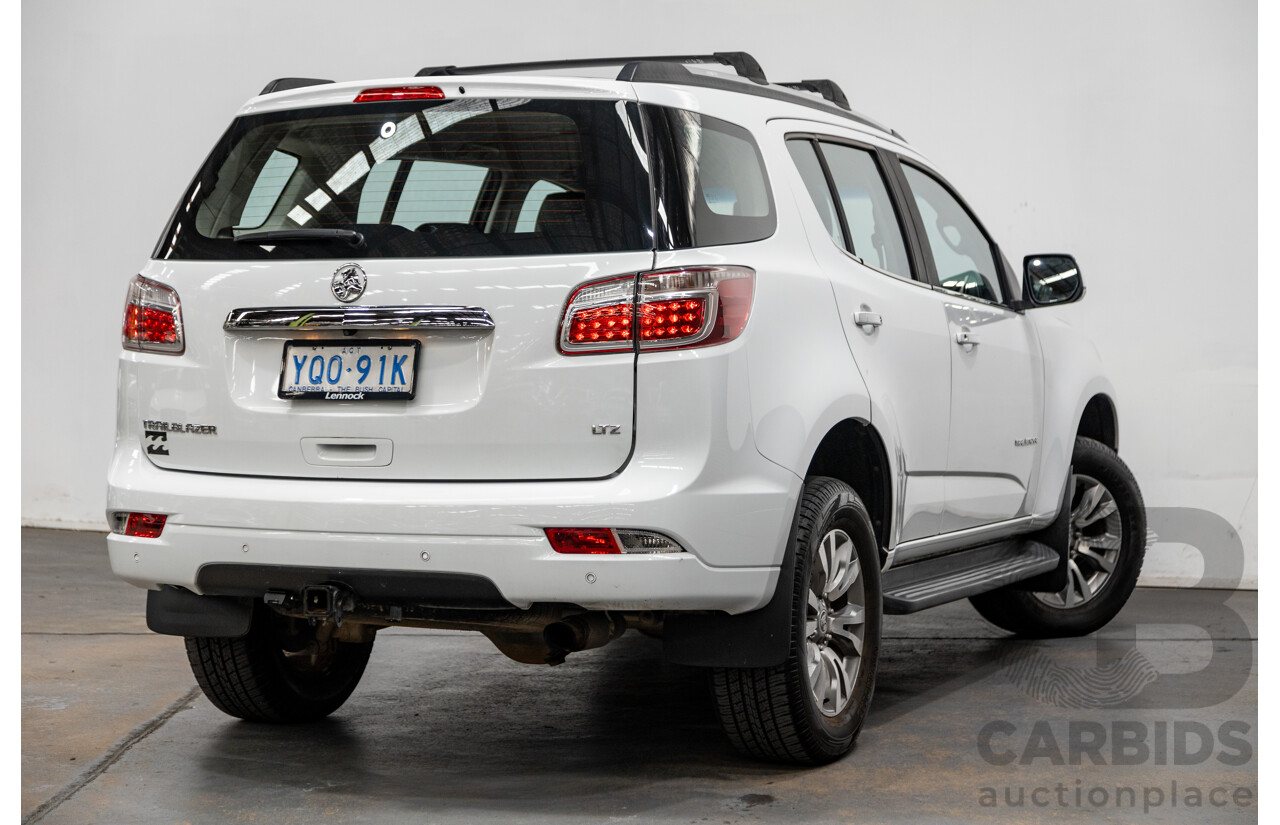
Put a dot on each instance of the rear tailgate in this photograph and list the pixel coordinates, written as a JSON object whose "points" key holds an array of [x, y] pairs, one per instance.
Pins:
{"points": [[497, 403], [325, 211]]}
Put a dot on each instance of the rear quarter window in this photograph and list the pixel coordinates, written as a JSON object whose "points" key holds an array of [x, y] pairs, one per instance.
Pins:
{"points": [[709, 181]]}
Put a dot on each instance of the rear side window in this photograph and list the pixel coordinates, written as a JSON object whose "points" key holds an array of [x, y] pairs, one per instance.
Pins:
{"points": [[804, 153], [709, 181], [466, 177], [874, 230], [865, 223]]}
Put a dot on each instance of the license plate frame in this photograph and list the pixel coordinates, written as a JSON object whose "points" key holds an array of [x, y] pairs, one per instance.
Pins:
{"points": [[343, 391]]}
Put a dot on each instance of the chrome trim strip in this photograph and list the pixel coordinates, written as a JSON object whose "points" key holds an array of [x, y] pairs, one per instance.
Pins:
{"points": [[940, 545], [360, 317]]}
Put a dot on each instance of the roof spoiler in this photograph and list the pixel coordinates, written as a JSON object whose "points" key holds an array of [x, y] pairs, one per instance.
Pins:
{"points": [[284, 84]]}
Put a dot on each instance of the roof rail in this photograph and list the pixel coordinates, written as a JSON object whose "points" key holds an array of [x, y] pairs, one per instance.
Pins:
{"points": [[741, 62], [827, 88], [647, 72], [672, 69], [284, 84]]}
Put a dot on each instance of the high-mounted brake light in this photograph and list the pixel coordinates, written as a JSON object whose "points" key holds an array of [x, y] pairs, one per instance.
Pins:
{"points": [[141, 525], [677, 308], [608, 541], [400, 93], [152, 318]]}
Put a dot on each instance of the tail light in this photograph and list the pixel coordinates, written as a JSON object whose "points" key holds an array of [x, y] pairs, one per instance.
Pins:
{"points": [[608, 541], [152, 318], [676, 309], [142, 525], [400, 93]]}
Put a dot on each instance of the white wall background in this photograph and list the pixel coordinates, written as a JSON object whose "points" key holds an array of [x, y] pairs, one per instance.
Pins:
{"points": [[1124, 132]]}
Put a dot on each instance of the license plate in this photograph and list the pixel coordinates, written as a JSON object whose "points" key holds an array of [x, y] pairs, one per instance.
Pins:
{"points": [[349, 372]]}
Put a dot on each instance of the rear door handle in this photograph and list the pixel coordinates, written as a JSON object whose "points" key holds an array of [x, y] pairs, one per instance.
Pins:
{"points": [[867, 321]]}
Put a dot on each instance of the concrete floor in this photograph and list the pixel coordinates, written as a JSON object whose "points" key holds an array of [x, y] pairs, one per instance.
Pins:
{"points": [[445, 729]]}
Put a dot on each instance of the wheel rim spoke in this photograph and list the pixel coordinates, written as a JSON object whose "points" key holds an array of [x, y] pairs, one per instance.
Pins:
{"points": [[815, 669], [836, 691], [1068, 593], [1088, 500], [837, 554], [811, 615], [1107, 541], [1103, 509], [1081, 581], [846, 627], [824, 560], [1104, 564]]}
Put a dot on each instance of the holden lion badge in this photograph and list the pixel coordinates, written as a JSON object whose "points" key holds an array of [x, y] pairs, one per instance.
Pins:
{"points": [[348, 283]]}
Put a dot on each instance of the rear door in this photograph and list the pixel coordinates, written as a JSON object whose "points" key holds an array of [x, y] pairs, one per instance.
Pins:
{"points": [[428, 348], [894, 322]]}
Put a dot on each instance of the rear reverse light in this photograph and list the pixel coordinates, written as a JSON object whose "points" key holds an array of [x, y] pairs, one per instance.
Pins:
{"points": [[605, 540], [142, 525], [400, 93], [678, 308], [152, 318]]}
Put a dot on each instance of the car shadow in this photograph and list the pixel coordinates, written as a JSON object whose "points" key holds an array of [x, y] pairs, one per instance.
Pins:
{"points": [[485, 733]]}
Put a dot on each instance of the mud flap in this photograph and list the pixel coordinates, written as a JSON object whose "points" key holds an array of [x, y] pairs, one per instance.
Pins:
{"points": [[176, 612], [761, 638]]}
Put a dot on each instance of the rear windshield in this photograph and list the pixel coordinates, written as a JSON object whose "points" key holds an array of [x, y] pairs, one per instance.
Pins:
{"points": [[467, 177]]}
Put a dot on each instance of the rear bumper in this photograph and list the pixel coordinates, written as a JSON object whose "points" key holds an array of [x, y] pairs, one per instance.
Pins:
{"points": [[732, 515]]}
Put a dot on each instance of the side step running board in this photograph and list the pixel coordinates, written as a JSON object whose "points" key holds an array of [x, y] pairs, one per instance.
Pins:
{"points": [[959, 575]]}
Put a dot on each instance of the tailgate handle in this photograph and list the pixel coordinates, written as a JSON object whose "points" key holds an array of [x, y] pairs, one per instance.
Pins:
{"points": [[430, 318], [347, 452]]}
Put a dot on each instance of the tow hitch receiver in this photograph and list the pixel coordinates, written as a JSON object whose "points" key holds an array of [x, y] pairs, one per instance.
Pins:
{"points": [[324, 601]]}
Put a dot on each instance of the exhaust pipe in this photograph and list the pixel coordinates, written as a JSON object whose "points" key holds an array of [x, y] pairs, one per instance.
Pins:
{"points": [[583, 632]]}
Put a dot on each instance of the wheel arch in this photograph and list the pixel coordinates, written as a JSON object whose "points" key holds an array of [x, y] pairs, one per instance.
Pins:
{"points": [[1098, 421], [853, 452]]}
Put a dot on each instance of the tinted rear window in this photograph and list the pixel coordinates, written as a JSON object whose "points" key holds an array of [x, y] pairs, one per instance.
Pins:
{"points": [[467, 177], [710, 182]]}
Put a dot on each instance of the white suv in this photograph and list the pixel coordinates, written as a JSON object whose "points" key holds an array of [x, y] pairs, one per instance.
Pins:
{"points": [[550, 356]]}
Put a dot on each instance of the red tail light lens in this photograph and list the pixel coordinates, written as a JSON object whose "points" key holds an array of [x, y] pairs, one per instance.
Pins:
{"points": [[672, 320], [152, 318], [678, 308], [599, 317], [602, 325], [400, 93], [608, 541], [594, 541], [144, 525]]}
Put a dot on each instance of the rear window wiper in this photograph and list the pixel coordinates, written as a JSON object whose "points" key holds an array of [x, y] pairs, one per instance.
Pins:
{"points": [[351, 236]]}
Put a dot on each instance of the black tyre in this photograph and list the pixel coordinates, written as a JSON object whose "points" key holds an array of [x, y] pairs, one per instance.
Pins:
{"points": [[1106, 537], [809, 709], [279, 672]]}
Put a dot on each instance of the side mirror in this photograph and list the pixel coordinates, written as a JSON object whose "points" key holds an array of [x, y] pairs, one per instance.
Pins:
{"points": [[1050, 279]]}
